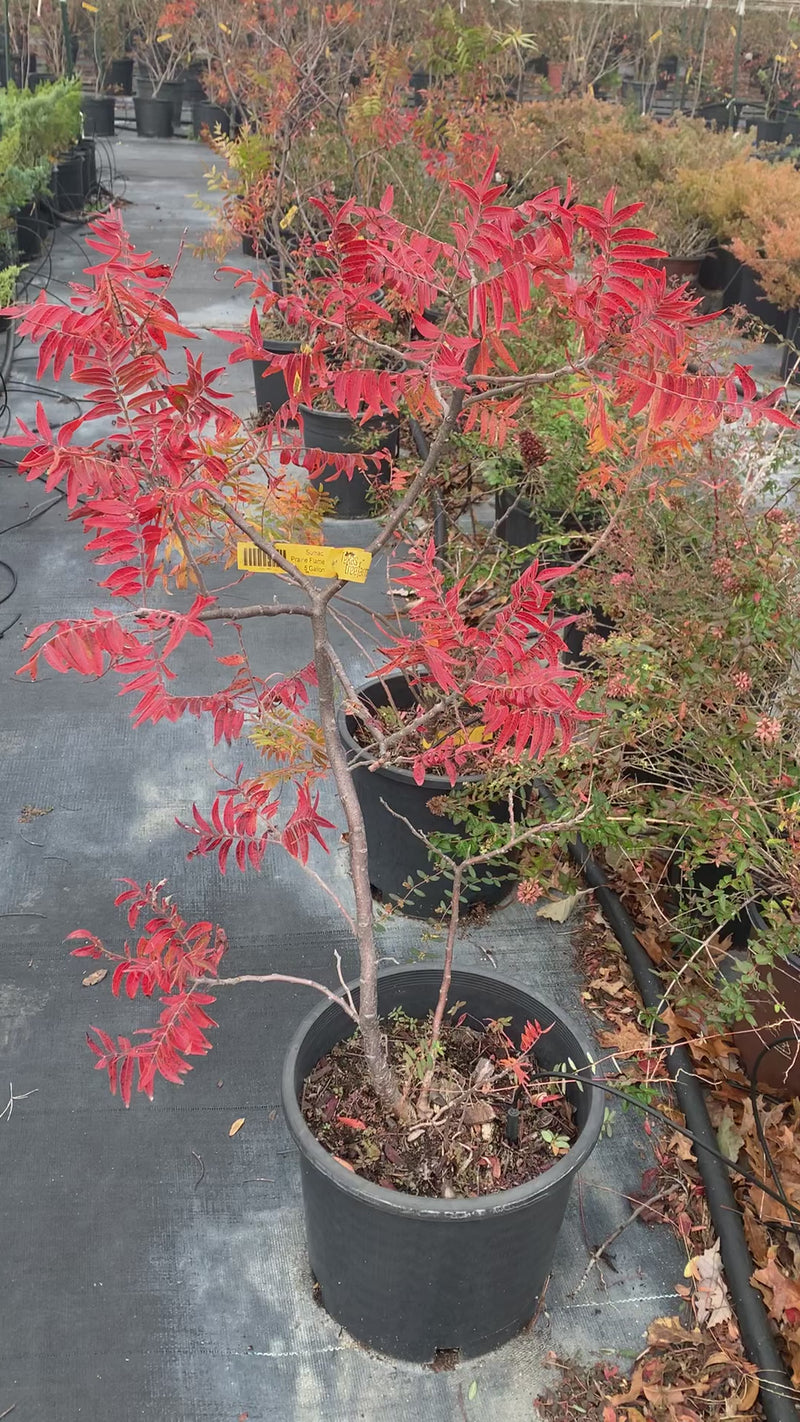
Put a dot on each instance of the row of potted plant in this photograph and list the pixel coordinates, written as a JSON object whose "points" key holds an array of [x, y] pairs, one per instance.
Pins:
{"points": [[38, 161], [472, 1102]]}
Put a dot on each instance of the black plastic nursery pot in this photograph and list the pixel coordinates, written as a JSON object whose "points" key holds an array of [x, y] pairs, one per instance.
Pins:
{"points": [[680, 269], [721, 271], [69, 183], [153, 117], [412, 1276], [119, 76], [208, 116], [98, 115], [790, 359], [32, 230], [271, 391], [396, 855], [769, 131], [86, 148], [517, 524], [172, 90], [335, 432], [751, 295]]}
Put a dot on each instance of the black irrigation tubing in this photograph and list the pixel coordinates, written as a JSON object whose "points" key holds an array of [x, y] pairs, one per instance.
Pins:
{"points": [[776, 1389], [757, 1335]]}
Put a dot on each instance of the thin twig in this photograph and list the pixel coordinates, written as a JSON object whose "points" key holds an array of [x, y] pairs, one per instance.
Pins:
{"points": [[601, 1248], [201, 1163]]}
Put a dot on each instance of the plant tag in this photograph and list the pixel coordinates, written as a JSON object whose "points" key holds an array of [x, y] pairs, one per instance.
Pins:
{"points": [[315, 560]]}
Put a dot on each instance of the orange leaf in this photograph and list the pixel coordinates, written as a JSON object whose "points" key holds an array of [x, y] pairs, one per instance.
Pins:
{"points": [[353, 1122]]}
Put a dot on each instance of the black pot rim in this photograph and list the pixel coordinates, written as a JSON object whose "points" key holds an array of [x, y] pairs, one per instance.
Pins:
{"points": [[385, 417], [437, 784], [395, 1202]]}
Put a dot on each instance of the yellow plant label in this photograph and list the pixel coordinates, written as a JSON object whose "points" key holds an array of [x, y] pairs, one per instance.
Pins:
{"points": [[315, 560]]}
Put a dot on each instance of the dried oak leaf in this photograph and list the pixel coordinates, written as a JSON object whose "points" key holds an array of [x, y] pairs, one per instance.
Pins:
{"points": [[785, 1301], [711, 1302], [666, 1332], [478, 1113]]}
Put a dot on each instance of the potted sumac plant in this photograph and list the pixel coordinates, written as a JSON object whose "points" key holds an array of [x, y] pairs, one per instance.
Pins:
{"points": [[442, 1151]]}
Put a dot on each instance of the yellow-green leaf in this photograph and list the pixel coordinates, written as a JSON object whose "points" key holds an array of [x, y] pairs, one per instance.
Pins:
{"points": [[472, 1391]]}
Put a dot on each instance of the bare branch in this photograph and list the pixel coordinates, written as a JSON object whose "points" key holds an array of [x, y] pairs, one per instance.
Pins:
{"points": [[279, 978]]}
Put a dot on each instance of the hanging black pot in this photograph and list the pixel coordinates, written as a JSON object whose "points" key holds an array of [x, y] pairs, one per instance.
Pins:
{"points": [[153, 117], [68, 183], [98, 115], [397, 857], [337, 433], [119, 76], [413, 1276], [206, 116], [271, 392]]}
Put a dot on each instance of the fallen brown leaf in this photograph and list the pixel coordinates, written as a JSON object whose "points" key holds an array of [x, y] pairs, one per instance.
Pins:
{"points": [[237, 1126], [92, 979]]}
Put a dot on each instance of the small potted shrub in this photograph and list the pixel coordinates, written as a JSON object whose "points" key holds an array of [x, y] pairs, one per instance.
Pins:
{"points": [[393, 1246]]}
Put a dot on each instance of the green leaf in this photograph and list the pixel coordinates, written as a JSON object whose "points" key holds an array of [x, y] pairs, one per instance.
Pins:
{"points": [[472, 1390]]}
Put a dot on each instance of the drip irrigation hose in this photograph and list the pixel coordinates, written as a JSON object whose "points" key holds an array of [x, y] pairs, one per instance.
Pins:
{"points": [[757, 1336]]}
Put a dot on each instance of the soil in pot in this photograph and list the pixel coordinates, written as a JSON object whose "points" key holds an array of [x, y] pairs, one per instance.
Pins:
{"points": [[336, 432], [413, 1276], [490, 1136], [153, 117], [98, 116], [401, 870]]}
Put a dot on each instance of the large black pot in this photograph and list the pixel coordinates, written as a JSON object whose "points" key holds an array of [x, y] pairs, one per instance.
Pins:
{"points": [[769, 131], [271, 392], [69, 183], [171, 91], [516, 522], [721, 271], [751, 295], [397, 858], [32, 230], [85, 146], [153, 117], [206, 115], [119, 76], [412, 1276], [98, 115], [790, 360], [336, 432]]}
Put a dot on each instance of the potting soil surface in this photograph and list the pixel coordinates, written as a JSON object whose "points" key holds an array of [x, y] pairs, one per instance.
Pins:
{"points": [[153, 1266]]}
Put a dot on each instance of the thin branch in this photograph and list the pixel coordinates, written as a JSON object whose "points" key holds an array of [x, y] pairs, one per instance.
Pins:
{"points": [[264, 544], [257, 609], [277, 978]]}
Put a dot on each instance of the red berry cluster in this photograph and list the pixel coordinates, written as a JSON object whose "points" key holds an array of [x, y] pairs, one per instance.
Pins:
{"points": [[532, 451]]}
